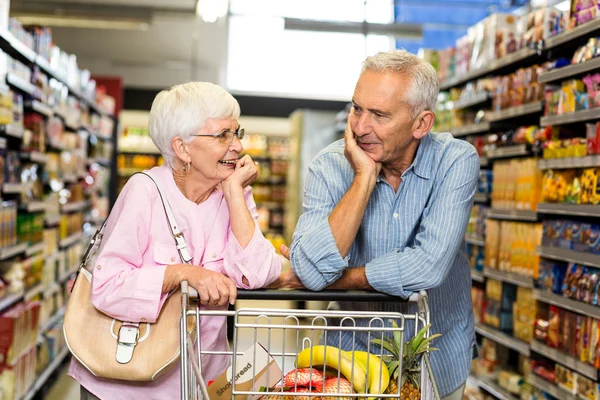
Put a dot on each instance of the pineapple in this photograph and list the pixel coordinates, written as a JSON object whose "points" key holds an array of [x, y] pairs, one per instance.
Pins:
{"points": [[411, 362]]}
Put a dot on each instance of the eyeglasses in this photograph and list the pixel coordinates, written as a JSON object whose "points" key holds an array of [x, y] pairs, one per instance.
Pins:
{"points": [[226, 136]]}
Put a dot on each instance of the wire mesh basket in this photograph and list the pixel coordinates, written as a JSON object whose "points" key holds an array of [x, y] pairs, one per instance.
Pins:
{"points": [[308, 354]]}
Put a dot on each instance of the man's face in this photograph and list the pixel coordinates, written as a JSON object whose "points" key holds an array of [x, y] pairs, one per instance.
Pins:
{"points": [[380, 119]]}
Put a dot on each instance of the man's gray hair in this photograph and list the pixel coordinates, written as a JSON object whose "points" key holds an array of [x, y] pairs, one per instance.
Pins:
{"points": [[423, 92], [183, 110]]}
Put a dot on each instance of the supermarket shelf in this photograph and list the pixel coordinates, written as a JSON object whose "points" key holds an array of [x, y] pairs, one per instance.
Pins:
{"points": [[509, 277], [573, 363], [515, 112], [483, 161], [99, 136], [475, 239], [33, 292], [66, 275], [50, 369], [20, 83], [75, 206], [53, 320], [141, 152], [35, 206], [550, 388], [52, 220], [102, 161], [53, 145], [571, 118], [127, 172], [509, 151], [503, 339], [467, 130], [477, 276], [504, 62], [14, 188], [12, 251], [35, 249], [52, 289], [36, 157], [570, 71], [71, 128], [40, 108], [481, 198], [492, 388], [570, 163], [566, 303], [512, 215], [13, 131], [71, 240], [17, 46], [70, 178], [475, 100], [584, 210], [555, 253], [9, 300], [581, 32], [14, 45]]}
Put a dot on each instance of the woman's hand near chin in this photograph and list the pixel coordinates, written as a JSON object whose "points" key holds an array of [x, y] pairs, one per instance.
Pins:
{"points": [[245, 174], [242, 223]]}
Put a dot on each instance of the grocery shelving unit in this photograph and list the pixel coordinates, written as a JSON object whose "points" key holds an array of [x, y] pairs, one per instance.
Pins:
{"points": [[494, 122], [491, 387], [58, 256]]}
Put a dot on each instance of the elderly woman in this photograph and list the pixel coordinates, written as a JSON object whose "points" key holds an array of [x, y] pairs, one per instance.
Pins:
{"points": [[195, 127]]}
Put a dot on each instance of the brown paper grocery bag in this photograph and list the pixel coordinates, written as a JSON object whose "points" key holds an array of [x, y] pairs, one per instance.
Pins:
{"points": [[266, 373]]}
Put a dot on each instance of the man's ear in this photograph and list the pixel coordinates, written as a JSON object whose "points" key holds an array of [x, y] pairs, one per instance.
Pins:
{"points": [[423, 124], [181, 149]]}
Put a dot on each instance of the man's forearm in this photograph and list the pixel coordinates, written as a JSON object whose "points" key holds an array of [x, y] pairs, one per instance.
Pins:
{"points": [[352, 278], [345, 218]]}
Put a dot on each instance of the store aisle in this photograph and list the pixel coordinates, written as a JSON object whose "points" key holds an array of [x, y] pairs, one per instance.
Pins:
{"points": [[65, 388]]}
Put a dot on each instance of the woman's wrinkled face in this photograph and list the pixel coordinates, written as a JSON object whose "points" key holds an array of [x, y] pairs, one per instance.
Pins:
{"points": [[215, 157]]}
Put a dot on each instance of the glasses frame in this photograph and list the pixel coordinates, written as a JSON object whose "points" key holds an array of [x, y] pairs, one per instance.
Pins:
{"points": [[239, 133]]}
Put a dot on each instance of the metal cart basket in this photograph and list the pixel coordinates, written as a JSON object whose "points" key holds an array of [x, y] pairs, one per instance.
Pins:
{"points": [[301, 329]]}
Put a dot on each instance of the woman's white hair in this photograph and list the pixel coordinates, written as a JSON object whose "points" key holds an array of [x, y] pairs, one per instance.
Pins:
{"points": [[425, 85], [183, 110]]}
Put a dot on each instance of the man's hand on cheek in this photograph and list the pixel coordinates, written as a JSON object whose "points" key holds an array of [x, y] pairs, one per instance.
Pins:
{"points": [[361, 162]]}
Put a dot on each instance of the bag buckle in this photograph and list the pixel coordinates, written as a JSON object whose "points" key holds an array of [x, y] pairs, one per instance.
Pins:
{"points": [[126, 342]]}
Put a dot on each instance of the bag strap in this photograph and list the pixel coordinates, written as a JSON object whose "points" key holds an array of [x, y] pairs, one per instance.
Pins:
{"points": [[177, 234]]}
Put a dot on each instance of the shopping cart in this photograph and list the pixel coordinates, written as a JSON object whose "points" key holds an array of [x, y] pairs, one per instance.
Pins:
{"points": [[315, 323]]}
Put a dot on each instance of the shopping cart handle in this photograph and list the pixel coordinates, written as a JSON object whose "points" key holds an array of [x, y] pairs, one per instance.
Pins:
{"points": [[324, 295]]}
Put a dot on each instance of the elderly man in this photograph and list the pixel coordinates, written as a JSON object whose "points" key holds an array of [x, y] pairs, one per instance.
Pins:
{"points": [[387, 209]]}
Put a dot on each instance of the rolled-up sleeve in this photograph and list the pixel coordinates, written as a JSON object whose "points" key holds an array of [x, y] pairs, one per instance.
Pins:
{"points": [[315, 257], [258, 261], [122, 286], [440, 235]]}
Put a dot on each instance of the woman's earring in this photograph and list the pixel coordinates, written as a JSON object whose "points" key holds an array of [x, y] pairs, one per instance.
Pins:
{"points": [[186, 167]]}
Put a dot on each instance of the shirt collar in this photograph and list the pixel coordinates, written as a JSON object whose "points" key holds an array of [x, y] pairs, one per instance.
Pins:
{"points": [[421, 165]]}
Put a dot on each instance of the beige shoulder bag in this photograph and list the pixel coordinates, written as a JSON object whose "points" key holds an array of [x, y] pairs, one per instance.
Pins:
{"points": [[114, 349]]}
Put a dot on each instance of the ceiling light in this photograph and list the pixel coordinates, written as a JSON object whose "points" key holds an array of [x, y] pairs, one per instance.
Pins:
{"points": [[80, 22], [211, 10], [406, 31]]}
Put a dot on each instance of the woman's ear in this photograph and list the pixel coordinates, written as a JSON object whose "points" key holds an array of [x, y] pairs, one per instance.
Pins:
{"points": [[423, 124], [181, 149]]}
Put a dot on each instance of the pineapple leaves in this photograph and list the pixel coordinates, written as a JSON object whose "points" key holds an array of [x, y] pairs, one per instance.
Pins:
{"points": [[386, 345], [393, 369], [416, 342], [397, 334]]}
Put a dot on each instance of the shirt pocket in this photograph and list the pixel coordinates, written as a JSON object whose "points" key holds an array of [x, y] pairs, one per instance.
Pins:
{"points": [[165, 254]]}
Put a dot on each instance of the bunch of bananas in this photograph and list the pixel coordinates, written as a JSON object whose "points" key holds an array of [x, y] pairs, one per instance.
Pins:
{"points": [[352, 365]]}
